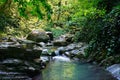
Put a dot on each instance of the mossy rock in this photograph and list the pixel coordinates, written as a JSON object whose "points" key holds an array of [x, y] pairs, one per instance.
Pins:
{"points": [[38, 36]]}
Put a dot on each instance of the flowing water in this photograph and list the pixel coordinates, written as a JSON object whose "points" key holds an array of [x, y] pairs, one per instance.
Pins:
{"points": [[69, 70]]}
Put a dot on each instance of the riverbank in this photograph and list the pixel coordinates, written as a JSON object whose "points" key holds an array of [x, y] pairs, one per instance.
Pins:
{"points": [[30, 58]]}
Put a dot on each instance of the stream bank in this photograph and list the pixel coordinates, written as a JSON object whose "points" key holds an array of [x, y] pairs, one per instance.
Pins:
{"points": [[26, 59]]}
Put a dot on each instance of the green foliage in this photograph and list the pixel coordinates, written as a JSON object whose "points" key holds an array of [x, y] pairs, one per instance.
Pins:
{"points": [[87, 16], [107, 41], [56, 31], [37, 8], [99, 23], [8, 21], [9, 16], [108, 5]]}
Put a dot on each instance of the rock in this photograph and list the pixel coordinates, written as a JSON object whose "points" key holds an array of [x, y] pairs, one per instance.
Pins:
{"points": [[70, 47], [45, 52], [67, 54], [80, 45], [49, 44], [38, 36], [18, 51], [69, 38], [50, 34], [60, 43], [42, 44], [115, 70], [63, 40], [75, 52], [29, 69], [7, 44], [13, 76], [44, 60], [37, 48]]}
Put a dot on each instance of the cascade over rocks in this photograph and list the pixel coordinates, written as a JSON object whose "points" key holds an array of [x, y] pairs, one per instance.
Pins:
{"points": [[29, 56]]}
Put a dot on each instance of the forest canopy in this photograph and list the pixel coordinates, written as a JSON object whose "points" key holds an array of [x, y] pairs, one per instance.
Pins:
{"points": [[25, 7]]}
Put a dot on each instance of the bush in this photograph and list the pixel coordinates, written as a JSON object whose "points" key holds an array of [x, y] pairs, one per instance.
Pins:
{"points": [[107, 41], [6, 20]]}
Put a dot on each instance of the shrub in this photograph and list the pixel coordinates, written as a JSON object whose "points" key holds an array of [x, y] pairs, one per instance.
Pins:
{"points": [[107, 41]]}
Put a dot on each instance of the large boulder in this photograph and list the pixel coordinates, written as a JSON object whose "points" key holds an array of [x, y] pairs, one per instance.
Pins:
{"points": [[19, 51], [63, 40], [38, 36]]}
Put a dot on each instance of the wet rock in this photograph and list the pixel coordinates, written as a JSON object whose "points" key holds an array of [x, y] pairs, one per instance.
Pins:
{"points": [[11, 61], [15, 65], [67, 54], [69, 38], [13, 76], [50, 34], [70, 47], [73, 46], [115, 70], [60, 43], [49, 44], [44, 61], [38, 36], [80, 44], [7, 44], [18, 51], [63, 40], [75, 52], [45, 58], [45, 52], [42, 44]]}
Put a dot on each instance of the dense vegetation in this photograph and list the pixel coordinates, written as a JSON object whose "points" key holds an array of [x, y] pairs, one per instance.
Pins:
{"points": [[96, 22]]}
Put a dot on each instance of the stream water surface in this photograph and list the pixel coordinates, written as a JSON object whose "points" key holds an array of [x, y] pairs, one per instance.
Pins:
{"points": [[62, 70]]}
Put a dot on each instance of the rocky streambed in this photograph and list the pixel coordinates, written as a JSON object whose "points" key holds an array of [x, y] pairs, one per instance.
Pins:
{"points": [[44, 58]]}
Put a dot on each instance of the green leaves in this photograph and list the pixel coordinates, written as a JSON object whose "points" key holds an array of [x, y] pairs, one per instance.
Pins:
{"points": [[107, 40], [39, 8]]}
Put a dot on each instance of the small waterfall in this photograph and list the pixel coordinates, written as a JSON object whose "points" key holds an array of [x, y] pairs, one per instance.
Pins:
{"points": [[61, 58]]}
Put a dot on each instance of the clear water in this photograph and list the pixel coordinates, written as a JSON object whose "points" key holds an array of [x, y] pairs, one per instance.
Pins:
{"points": [[60, 70]]}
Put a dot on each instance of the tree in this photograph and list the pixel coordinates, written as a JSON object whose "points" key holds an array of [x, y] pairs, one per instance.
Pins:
{"points": [[39, 8]]}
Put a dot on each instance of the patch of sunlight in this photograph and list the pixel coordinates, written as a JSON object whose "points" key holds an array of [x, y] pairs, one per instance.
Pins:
{"points": [[68, 71]]}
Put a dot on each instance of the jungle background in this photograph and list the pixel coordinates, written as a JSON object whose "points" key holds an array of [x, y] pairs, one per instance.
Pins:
{"points": [[95, 22]]}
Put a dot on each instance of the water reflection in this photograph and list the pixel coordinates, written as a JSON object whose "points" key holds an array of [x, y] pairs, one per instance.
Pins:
{"points": [[60, 70]]}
